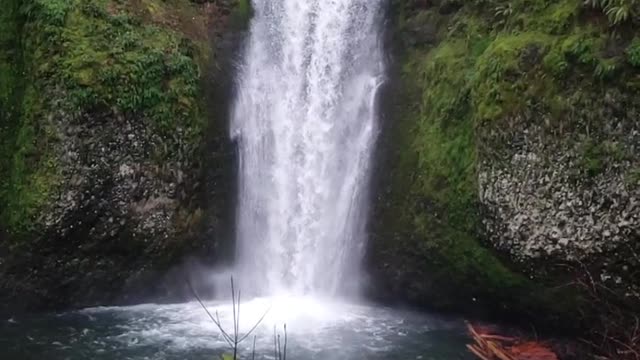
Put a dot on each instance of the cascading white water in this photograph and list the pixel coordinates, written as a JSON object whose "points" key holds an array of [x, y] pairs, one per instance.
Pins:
{"points": [[305, 122]]}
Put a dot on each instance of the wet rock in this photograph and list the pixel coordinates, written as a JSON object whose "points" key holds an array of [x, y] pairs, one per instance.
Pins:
{"points": [[536, 209], [110, 218]]}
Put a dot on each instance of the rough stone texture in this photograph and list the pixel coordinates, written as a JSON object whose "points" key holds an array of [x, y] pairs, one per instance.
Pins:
{"points": [[540, 209], [131, 203], [509, 185], [118, 217], [542, 204], [107, 170]]}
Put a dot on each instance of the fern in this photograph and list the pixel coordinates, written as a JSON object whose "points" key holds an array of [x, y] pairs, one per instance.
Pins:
{"points": [[617, 11], [633, 52]]}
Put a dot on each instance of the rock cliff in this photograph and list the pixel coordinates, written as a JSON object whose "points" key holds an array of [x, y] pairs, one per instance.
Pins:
{"points": [[106, 128], [511, 161]]}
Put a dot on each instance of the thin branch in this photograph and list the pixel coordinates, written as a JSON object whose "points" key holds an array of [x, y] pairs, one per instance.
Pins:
{"points": [[279, 349], [275, 344], [238, 322], [285, 342], [217, 323], [253, 352], [226, 335], [256, 325], [235, 321]]}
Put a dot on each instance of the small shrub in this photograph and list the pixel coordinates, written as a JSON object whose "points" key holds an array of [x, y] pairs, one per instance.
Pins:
{"points": [[556, 63], [633, 177], [596, 155], [502, 13], [617, 11], [633, 52], [605, 69], [581, 48]]}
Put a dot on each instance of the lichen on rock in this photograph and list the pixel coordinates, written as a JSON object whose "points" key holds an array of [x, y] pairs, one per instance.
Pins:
{"points": [[510, 158], [103, 158]]}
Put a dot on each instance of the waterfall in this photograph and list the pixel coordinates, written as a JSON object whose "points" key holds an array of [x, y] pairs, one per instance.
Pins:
{"points": [[305, 122]]}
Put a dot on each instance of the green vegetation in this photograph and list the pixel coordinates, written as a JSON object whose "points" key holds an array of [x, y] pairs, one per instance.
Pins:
{"points": [[618, 11], [441, 200], [241, 14], [78, 57], [495, 63], [633, 52], [109, 58], [633, 178], [596, 154], [10, 83]]}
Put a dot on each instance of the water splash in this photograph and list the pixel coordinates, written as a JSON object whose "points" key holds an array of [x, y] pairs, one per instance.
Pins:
{"points": [[305, 122], [318, 329]]}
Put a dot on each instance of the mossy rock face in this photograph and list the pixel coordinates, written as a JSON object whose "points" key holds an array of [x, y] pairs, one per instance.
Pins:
{"points": [[101, 152], [511, 154]]}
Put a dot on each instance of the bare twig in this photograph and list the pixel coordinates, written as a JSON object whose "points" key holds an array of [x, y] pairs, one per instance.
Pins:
{"points": [[235, 340], [253, 352], [275, 344], [255, 325], [216, 322], [285, 343], [279, 349], [235, 320], [616, 329]]}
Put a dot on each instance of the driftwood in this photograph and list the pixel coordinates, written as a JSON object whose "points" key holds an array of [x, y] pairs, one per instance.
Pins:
{"points": [[496, 347]]}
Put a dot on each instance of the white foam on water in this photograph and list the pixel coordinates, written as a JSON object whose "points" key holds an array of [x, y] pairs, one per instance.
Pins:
{"points": [[314, 326]]}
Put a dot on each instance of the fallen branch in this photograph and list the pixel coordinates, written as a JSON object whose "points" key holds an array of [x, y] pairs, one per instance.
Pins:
{"points": [[497, 347]]}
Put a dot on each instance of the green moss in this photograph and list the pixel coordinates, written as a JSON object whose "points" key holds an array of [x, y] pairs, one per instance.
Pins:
{"points": [[633, 52], [596, 155], [113, 60], [633, 177], [497, 64], [244, 8], [82, 56], [11, 88], [593, 160], [446, 149], [34, 173], [582, 47], [500, 79], [557, 18], [10, 24], [241, 14], [437, 175], [555, 63]]}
